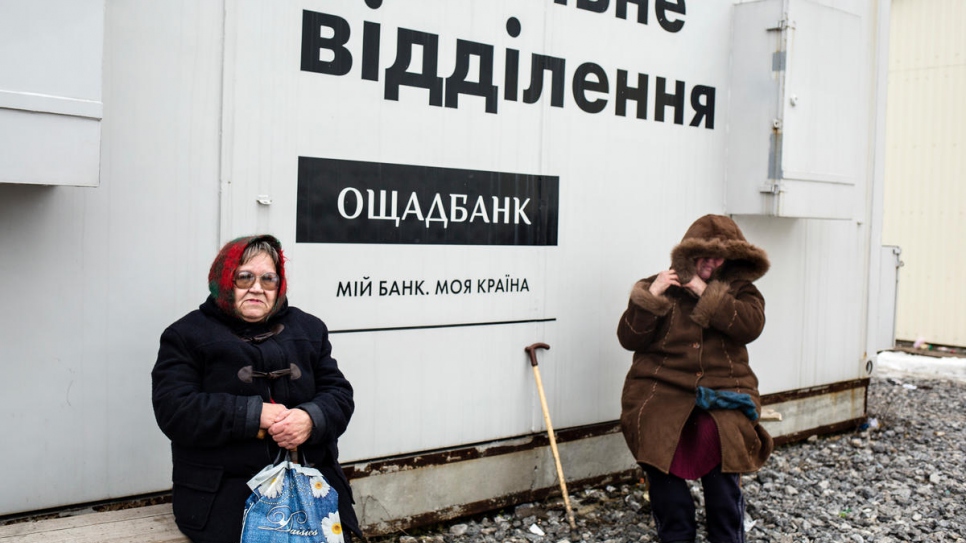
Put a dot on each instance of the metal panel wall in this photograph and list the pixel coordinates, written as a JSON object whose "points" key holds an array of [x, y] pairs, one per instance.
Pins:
{"points": [[101, 271], [796, 112], [925, 167], [54, 111], [815, 296]]}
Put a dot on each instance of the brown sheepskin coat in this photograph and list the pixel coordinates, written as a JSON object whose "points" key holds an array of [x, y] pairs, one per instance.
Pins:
{"points": [[681, 342]]}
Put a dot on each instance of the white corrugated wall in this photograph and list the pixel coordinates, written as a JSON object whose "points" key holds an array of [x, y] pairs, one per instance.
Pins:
{"points": [[925, 187]]}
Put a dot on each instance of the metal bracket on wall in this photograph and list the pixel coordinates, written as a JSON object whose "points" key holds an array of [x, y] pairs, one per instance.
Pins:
{"points": [[771, 188]]}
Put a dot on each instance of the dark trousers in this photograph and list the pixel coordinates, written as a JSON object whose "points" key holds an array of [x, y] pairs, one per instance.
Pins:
{"points": [[673, 507]]}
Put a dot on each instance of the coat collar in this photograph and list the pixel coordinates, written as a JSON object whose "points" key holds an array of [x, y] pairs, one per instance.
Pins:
{"points": [[244, 329]]}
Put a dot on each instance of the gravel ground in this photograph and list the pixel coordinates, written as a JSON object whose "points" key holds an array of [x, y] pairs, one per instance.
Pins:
{"points": [[903, 478]]}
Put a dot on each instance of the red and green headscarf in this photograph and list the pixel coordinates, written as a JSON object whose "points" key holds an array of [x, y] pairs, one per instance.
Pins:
{"points": [[221, 277]]}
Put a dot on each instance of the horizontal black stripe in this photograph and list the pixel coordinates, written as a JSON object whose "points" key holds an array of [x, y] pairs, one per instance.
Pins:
{"points": [[432, 326]]}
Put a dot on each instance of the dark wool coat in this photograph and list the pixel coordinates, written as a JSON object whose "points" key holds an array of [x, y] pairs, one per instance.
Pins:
{"points": [[681, 342], [211, 414], [207, 401]]}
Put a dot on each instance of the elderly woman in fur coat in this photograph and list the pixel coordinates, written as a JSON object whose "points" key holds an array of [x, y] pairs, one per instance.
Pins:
{"points": [[690, 404]]}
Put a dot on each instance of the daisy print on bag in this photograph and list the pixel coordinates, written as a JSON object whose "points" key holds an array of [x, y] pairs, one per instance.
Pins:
{"points": [[320, 488], [272, 487], [332, 528]]}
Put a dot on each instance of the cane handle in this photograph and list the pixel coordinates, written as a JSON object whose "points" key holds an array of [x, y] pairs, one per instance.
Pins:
{"points": [[532, 351]]}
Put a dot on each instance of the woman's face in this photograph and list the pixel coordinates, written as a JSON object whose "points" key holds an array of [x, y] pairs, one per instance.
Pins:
{"points": [[706, 266], [254, 303]]}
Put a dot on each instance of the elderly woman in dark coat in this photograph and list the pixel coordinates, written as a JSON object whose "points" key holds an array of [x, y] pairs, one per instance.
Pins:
{"points": [[690, 403], [239, 379]]}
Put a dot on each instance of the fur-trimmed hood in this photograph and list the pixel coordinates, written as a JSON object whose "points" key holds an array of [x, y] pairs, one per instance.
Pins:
{"points": [[719, 236], [221, 276]]}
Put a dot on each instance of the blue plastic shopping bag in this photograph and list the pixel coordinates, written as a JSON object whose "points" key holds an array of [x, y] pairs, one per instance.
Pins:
{"points": [[291, 504]]}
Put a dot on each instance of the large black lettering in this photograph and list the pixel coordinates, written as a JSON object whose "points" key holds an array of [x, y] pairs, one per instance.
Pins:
{"points": [[510, 76], [641, 9], [512, 64], [663, 99], [663, 7], [582, 84], [398, 74], [670, 13], [324, 50], [370, 51], [703, 110], [625, 93], [540, 64], [457, 83], [313, 44]]}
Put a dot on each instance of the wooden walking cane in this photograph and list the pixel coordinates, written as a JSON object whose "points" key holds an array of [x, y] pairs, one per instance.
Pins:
{"points": [[532, 351]]}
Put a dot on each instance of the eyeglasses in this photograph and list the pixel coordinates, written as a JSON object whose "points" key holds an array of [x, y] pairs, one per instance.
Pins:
{"points": [[245, 279]]}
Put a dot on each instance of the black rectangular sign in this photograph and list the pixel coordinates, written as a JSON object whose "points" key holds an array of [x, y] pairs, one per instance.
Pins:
{"points": [[345, 201]]}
